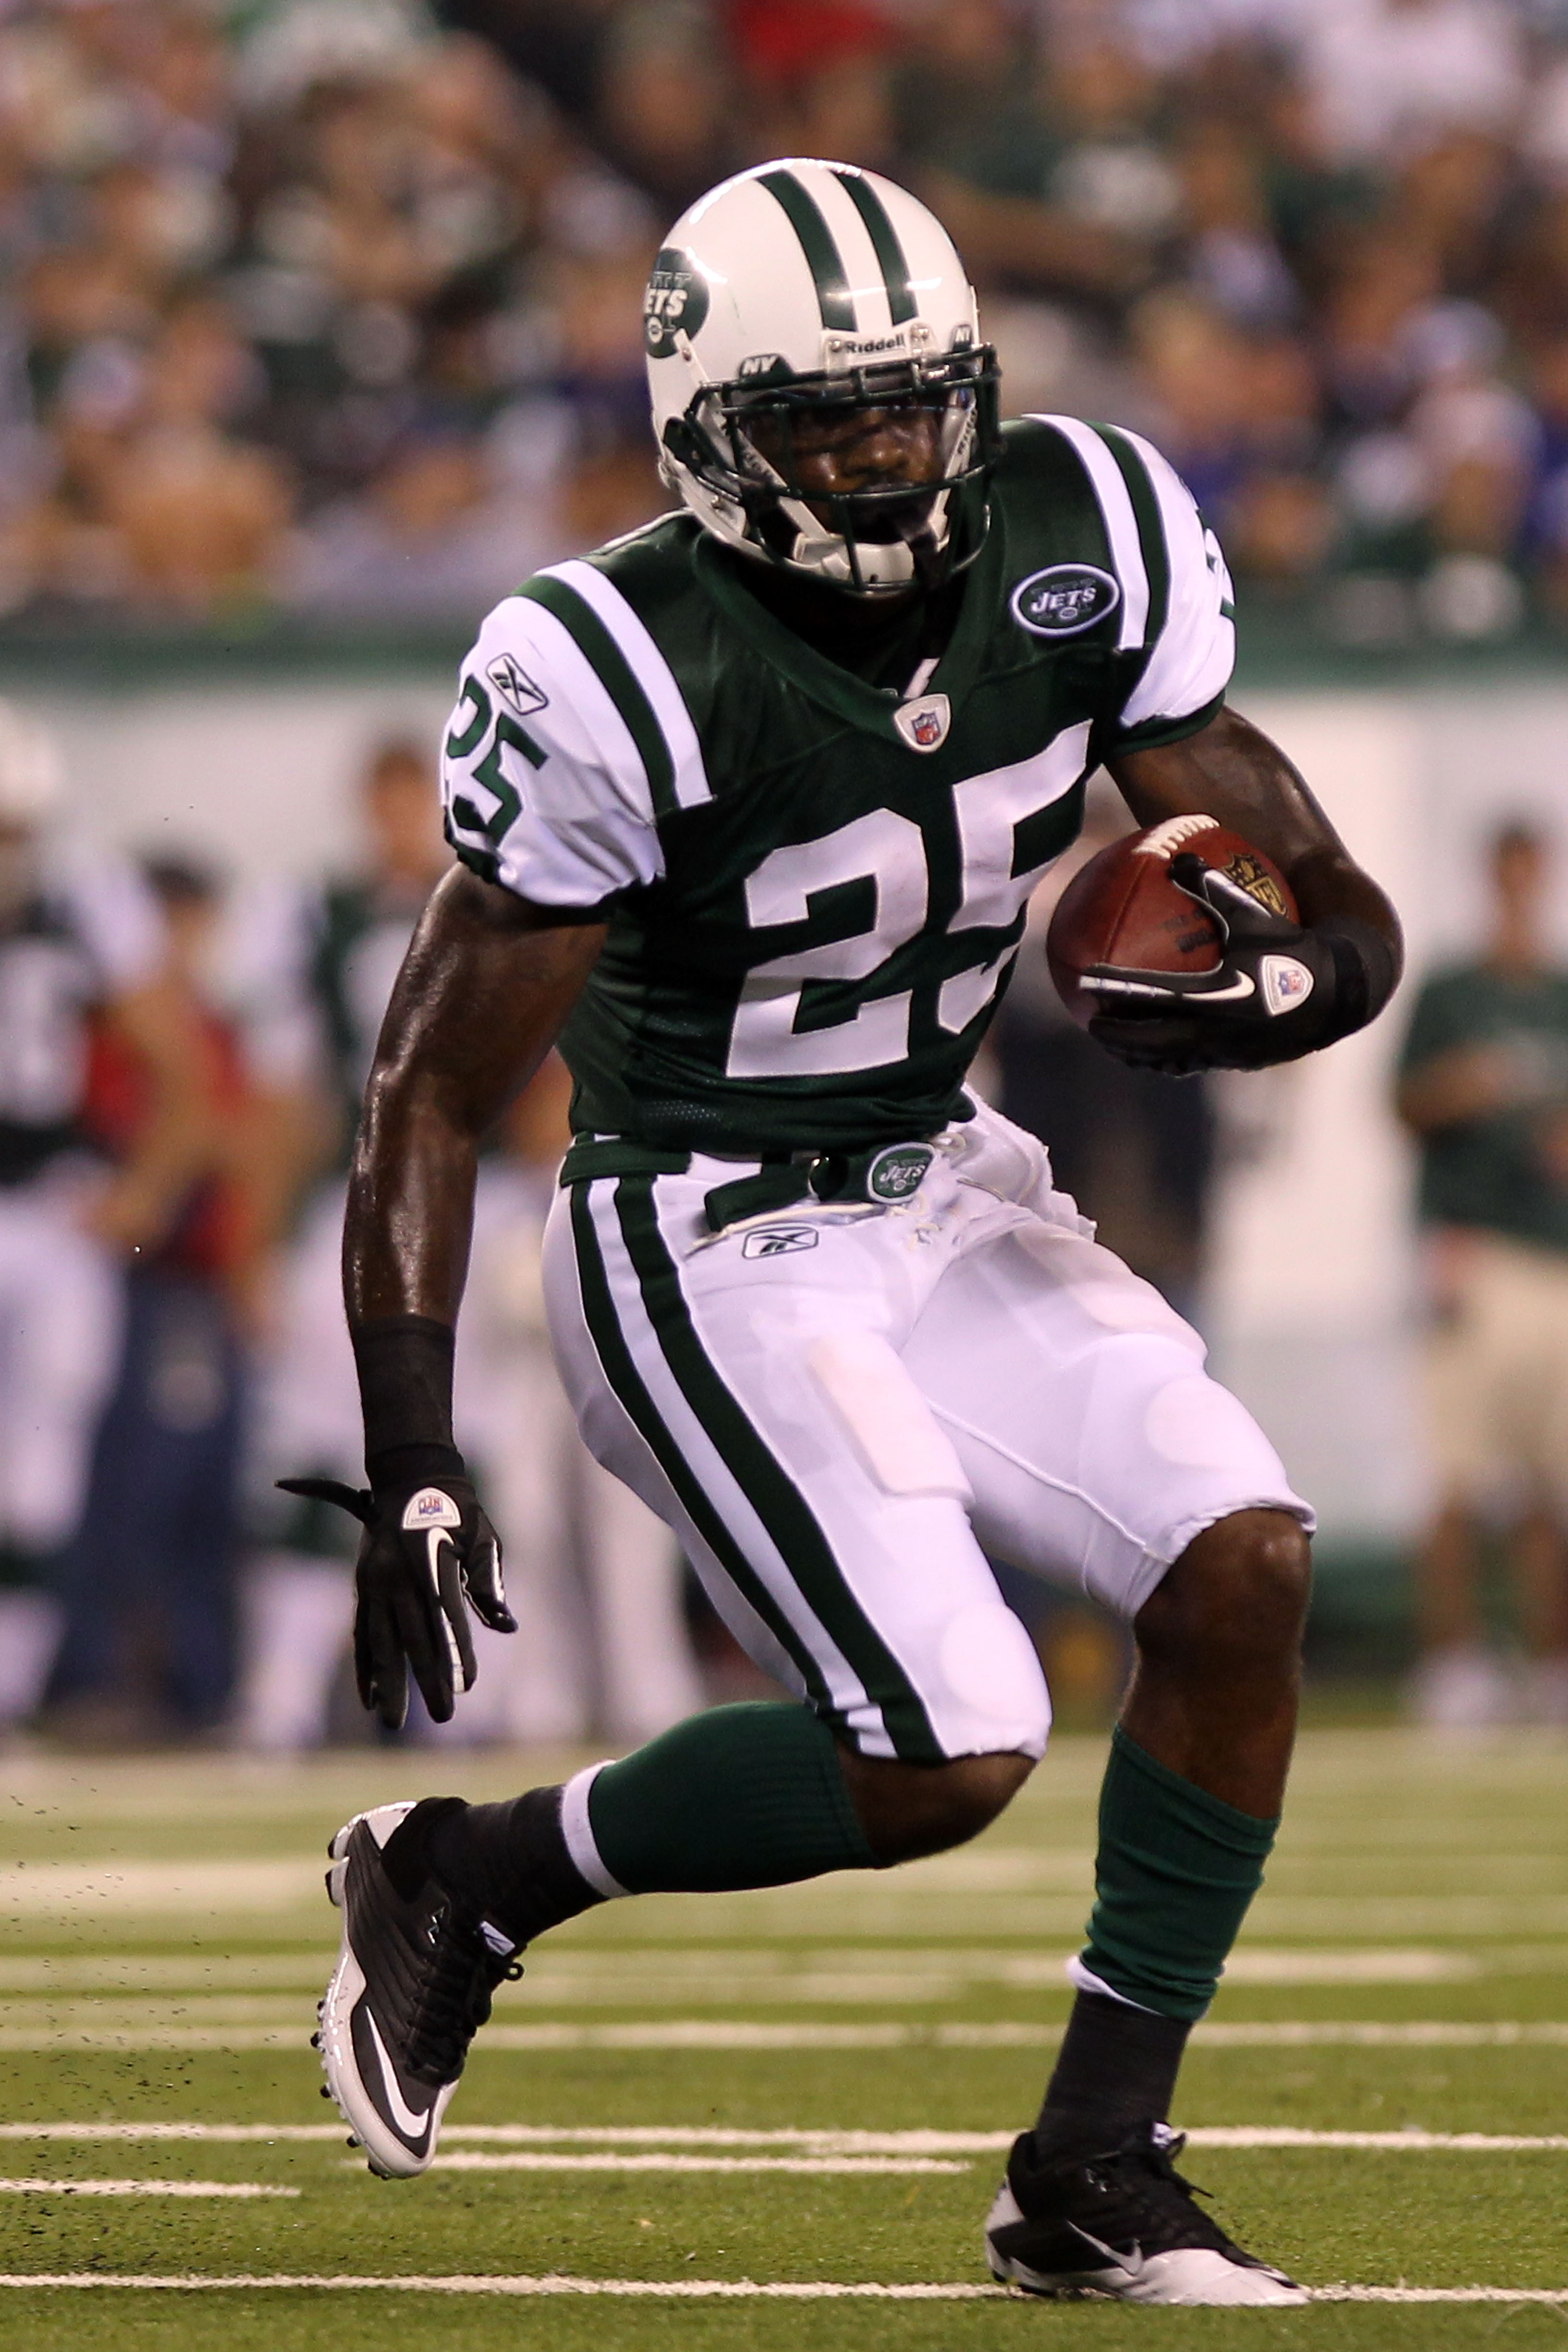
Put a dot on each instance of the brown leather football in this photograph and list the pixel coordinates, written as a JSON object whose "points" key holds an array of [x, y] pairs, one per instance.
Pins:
{"points": [[1123, 908]]}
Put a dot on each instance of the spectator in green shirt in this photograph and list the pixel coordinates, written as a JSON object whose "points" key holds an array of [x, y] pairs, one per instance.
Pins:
{"points": [[1484, 1086]]}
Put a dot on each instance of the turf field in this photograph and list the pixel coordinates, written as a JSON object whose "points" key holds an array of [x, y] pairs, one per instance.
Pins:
{"points": [[774, 2119]]}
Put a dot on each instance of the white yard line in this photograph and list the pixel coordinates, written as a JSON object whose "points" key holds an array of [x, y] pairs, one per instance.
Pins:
{"points": [[704, 2033], [28, 2187], [467, 2161], [819, 2150], [1038, 1891], [704, 1977], [1303, 2033], [686, 2290]]}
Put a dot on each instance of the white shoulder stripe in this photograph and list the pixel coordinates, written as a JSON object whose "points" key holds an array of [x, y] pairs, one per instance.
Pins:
{"points": [[652, 673], [1121, 523], [583, 725], [1191, 661]]}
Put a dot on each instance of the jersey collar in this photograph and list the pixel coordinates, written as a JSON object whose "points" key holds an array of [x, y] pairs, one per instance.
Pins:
{"points": [[826, 682]]}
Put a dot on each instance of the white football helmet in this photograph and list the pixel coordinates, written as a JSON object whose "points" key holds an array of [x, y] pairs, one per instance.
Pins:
{"points": [[804, 287]]}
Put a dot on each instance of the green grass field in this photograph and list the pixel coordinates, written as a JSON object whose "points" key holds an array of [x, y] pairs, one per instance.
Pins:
{"points": [[806, 2090]]}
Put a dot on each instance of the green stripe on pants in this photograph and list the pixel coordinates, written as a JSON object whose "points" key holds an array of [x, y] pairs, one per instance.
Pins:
{"points": [[616, 1358], [773, 1495]]}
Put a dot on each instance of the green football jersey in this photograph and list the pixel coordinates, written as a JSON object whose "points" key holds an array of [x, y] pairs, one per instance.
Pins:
{"points": [[814, 887]]}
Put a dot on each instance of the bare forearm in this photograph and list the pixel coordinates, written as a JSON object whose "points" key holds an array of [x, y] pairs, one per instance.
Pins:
{"points": [[481, 999], [410, 1209]]}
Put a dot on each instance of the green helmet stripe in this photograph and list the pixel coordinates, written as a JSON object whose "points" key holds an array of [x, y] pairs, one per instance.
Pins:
{"points": [[805, 218], [884, 236]]}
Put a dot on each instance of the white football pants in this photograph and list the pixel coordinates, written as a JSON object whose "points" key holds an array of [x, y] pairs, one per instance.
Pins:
{"points": [[841, 1409]]}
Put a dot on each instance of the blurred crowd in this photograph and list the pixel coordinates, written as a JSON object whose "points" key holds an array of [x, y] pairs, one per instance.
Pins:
{"points": [[181, 1065], [331, 306]]}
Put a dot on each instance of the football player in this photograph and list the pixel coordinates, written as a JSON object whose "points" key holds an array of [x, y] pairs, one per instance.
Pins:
{"points": [[748, 806], [329, 989], [82, 946]]}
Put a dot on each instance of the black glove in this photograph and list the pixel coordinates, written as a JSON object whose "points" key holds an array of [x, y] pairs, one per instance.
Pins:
{"points": [[428, 1548], [1281, 991]]}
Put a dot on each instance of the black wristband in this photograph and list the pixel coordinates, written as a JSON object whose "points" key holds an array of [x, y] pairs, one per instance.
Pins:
{"points": [[1366, 971], [405, 1365]]}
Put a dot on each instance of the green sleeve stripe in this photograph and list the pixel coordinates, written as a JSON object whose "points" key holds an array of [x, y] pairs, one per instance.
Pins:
{"points": [[772, 1493], [1150, 529], [615, 1359], [884, 236], [805, 218], [616, 675]]}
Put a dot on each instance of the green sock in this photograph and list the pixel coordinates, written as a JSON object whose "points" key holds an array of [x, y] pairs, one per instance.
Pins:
{"points": [[742, 1796], [1175, 1875]]}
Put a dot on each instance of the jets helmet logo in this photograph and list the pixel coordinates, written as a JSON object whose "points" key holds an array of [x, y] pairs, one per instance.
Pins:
{"points": [[676, 301], [1064, 599]]}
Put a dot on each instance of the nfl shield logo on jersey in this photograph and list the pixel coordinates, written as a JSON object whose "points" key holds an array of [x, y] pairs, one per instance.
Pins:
{"points": [[1064, 599], [924, 724]]}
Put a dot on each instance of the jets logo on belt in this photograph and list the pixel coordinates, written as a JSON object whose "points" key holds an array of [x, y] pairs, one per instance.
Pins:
{"points": [[897, 1172]]}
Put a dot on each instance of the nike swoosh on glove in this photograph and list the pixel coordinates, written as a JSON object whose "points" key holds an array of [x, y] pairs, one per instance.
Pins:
{"points": [[1280, 991], [428, 1555]]}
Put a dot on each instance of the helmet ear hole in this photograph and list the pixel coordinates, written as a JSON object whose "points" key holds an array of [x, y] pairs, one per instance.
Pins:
{"points": [[685, 444]]}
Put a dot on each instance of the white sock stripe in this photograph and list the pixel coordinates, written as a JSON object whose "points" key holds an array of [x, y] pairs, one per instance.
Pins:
{"points": [[578, 1831], [1084, 1980]]}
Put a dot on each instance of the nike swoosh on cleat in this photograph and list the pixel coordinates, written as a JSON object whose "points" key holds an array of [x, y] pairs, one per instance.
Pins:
{"points": [[415, 2128], [1132, 2262]]}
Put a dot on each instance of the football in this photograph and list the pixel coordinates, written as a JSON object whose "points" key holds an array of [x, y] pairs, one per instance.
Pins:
{"points": [[1124, 908]]}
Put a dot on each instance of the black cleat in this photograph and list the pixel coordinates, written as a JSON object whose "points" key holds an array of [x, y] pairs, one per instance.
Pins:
{"points": [[417, 1968], [1123, 2224]]}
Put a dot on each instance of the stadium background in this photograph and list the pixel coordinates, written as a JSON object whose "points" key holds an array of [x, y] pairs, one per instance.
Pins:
{"points": [[320, 330]]}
